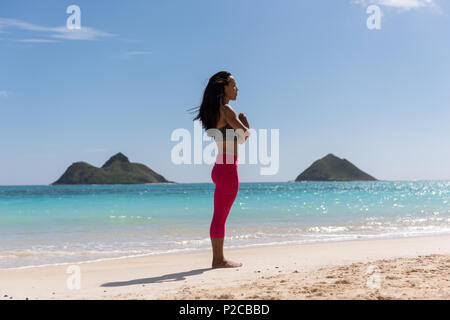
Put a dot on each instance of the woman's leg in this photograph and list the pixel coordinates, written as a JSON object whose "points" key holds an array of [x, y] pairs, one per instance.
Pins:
{"points": [[227, 185], [219, 260]]}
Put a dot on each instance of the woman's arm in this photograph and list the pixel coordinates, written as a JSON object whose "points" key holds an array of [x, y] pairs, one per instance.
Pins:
{"points": [[244, 120], [240, 124]]}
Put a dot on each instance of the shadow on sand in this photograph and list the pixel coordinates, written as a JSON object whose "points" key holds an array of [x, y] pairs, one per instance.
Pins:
{"points": [[165, 278]]}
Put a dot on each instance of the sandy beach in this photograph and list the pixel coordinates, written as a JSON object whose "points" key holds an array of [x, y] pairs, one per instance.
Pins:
{"points": [[405, 268]]}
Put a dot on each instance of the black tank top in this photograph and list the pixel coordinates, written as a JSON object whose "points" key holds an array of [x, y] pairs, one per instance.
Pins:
{"points": [[223, 130]]}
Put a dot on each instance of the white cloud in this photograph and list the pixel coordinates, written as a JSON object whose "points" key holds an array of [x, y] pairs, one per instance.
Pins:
{"points": [[85, 33], [37, 40], [4, 94], [399, 4], [135, 53]]}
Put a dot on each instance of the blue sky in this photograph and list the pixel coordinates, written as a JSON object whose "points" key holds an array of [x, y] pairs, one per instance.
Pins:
{"points": [[312, 69]]}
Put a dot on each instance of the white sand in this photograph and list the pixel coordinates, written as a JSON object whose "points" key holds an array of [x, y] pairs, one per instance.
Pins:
{"points": [[404, 268]]}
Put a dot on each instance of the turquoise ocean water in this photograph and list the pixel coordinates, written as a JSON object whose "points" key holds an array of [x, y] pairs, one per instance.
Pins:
{"points": [[67, 224]]}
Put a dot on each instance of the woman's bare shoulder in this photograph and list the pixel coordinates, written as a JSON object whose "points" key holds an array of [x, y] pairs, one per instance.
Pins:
{"points": [[228, 109]]}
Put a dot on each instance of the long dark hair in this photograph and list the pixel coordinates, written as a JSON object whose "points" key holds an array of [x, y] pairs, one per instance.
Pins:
{"points": [[213, 98]]}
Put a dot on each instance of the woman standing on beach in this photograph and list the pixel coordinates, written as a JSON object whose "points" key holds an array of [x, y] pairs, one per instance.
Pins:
{"points": [[219, 117]]}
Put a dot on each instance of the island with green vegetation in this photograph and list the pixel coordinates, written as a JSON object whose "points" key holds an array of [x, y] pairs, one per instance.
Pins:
{"points": [[332, 168], [117, 170]]}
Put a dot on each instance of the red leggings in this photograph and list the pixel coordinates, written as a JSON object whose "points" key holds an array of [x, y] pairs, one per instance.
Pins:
{"points": [[225, 176]]}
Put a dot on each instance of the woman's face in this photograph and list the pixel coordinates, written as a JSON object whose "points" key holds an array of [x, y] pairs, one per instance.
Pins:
{"points": [[231, 89]]}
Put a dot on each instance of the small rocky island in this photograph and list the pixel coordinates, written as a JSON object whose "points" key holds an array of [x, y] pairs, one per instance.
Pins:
{"points": [[332, 168], [117, 170]]}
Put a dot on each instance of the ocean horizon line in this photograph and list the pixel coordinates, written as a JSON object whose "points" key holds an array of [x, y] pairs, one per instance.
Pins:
{"points": [[165, 183]]}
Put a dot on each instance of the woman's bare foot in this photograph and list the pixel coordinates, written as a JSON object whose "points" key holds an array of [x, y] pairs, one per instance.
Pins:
{"points": [[225, 264]]}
